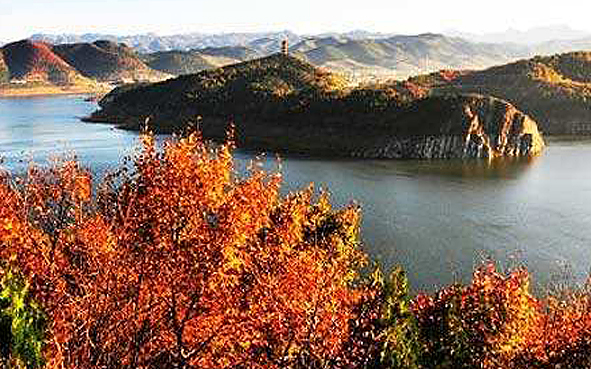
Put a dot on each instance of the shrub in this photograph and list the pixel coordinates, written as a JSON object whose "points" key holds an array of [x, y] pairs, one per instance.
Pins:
{"points": [[22, 323], [484, 324]]}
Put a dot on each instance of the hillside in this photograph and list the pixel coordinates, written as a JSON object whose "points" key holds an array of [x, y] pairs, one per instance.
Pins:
{"points": [[185, 62], [554, 90], [106, 61], [243, 88], [234, 52], [361, 59], [36, 62], [281, 103]]}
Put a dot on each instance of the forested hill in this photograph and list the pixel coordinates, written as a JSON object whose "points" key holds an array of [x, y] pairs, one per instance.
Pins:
{"points": [[554, 90], [35, 61], [28, 62], [281, 103], [106, 61]]}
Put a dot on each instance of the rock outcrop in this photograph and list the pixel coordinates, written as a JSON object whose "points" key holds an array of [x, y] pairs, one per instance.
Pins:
{"points": [[488, 128], [4, 73]]}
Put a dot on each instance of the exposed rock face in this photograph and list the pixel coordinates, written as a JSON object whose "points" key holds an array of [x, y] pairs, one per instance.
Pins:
{"points": [[554, 90], [490, 128]]}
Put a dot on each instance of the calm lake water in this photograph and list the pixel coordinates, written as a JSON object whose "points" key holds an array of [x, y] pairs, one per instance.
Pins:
{"points": [[436, 218]]}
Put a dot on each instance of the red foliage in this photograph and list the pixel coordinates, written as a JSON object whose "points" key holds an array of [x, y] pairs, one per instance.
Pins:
{"points": [[35, 61], [416, 91], [179, 264], [449, 75], [485, 323]]}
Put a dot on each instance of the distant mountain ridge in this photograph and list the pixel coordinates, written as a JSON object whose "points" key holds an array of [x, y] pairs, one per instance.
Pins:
{"points": [[361, 54], [28, 63], [531, 37], [106, 61], [387, 57], [148, 43], [402, 55]]}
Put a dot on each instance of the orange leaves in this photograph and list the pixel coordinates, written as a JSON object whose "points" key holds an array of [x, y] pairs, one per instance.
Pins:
{"points": [[486, 322], [178, 262]]}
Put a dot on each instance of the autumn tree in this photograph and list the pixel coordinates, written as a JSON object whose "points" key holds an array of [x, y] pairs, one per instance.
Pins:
{"points": [[175, 261]]}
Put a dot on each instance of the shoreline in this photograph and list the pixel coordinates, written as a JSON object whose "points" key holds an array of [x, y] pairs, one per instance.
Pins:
{"points": [[40, 91]]}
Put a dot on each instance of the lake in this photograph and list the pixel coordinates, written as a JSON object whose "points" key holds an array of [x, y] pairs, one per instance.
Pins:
{"points": [[436, 218]]}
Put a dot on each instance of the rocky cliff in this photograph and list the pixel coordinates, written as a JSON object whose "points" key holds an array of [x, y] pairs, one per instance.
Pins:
{"points": [[475, 127], [4, 73]]}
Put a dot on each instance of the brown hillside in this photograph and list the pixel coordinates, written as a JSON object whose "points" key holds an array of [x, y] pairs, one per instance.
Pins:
{"points": [[35, 61], [106, 61], [555, 90]]}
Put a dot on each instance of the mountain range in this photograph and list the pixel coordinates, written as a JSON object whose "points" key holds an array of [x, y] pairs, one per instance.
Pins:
{"points": [[531, 37], [361, 54], [29, 62], [386, 57], [148, 43]]}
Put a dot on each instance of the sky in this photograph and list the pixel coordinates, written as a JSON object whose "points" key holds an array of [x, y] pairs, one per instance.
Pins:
{"points": [[22, 18]]}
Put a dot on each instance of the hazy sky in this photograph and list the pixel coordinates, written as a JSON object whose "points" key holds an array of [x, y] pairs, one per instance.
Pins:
{"points": [[21, 18]]}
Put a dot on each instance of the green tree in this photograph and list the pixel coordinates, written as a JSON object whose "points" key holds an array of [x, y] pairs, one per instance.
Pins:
{"points": [[400, 347], [22, 323]]}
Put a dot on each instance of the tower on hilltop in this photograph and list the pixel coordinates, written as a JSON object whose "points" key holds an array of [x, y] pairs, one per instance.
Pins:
{"points": [[284, 47]]}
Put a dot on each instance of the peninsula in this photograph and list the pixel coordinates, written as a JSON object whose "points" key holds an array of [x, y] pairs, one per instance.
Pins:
{"points": [[281, 103]]}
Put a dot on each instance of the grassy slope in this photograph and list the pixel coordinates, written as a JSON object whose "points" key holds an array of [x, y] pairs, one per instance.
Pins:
{"points": [[184, 62]]}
